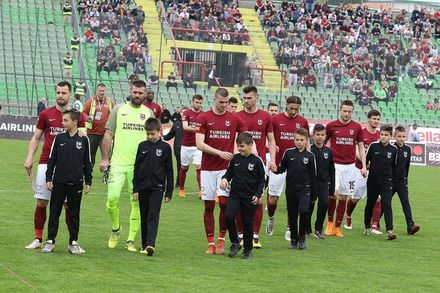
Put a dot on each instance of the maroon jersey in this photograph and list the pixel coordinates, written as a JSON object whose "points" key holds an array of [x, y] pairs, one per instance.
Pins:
{"points": [[157, 110], [220, 132], [284, 129], [50, 122], [258, 124], [189, 137], [343, 140], [368, 139]]}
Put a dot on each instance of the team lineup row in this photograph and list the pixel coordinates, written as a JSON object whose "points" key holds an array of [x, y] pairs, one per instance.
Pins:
{"points": [[313, 173]]}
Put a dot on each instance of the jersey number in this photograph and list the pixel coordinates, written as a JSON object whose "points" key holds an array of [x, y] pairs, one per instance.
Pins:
{"points": [[351, 183]]}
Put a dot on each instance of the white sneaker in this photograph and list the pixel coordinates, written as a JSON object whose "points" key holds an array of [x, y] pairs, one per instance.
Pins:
{"points": [[376, 231], [75, 249], [287, 235], [48, 246], [269, 226], [35, 244]]}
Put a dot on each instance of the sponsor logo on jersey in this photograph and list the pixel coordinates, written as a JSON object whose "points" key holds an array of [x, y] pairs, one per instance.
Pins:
{"points": [[159, 152], [79, 145], [305, 160], [251, 166]]}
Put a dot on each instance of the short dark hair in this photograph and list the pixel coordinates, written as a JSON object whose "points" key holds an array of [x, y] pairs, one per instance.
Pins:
{"points": [[73, 114], [197, 97], [272, 104], [100, 85], [302, 131], [221, 91], [250, 89], [233, 100], [65, 83], [139, 83], [244, 137], [293, 100], [372, 113], [152, 124], [399, 128], [346, 103], [388, 128], [318, 127]]}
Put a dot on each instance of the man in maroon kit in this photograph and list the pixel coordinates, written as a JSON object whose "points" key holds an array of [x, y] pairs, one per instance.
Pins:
{"points": [[284, 126], [149, 97], [370, 134], [259, 124], [215, 138], [49, 124], [189, 152], [345, 135]]}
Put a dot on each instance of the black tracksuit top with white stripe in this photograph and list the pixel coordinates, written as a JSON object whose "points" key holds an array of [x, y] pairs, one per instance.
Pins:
{"points": [[69, 160], [382, 161], [153, 168], [403, 161], [247, 176], [301, 170]]}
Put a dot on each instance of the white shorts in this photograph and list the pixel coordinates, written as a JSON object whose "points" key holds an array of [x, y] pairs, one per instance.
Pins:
{"points": [[210, 184], [276, 183], [349, 181], [190, 154], [41, 191]]}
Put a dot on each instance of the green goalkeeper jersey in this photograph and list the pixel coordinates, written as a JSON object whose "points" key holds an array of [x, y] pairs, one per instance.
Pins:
{"points": [[127, 123]]}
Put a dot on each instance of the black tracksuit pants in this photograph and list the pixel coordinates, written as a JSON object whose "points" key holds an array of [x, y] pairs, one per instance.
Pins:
{"points": [[323, 193], [298, 202], [247, 209], [384, 189], [150, 202], [73, 192], [401, 187]]}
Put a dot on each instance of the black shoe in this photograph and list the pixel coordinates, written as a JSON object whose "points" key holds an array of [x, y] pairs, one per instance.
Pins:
{"points": [[318, 235], [247, 255], [293, 244], [302, 245], [234, 249]]}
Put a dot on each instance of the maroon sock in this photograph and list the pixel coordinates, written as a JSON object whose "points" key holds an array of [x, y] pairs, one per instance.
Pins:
{"points": [[377, 212], [39, 221], [182, 177], [340, 211], [271, 208], [350, 207], [208, 220], [258, 218], [239, 223], [222, 203], [198, 178], [331, 208]]}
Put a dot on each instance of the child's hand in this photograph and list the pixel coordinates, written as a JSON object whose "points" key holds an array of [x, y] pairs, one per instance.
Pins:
{"points": [[86, 189], [49, 186], [167, 199], [224, 184], [255, 200], [136, 196]]}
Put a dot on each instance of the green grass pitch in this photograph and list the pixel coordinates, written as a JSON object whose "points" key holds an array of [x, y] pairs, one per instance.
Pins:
{"points": [[353, 264]]}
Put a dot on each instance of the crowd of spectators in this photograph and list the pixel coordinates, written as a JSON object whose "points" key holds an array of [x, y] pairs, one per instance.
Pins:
{"points": [[354, 48], [212, 21], [115, 28]]}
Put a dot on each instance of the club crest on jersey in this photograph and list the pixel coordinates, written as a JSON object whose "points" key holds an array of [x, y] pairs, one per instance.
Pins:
{"points": [[389, 155], [298, 126], [159, 152], [405, 154], [326, 156], [305, 160], [251, 167], [351, 131], [228, 123], [142, 116], [260, 122], [79, 144]]}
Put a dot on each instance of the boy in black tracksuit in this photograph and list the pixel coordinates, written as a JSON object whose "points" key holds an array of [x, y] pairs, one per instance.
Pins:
{"points": [[382, 159], [153, 175], [247, 177], [325, 169], [400, 177], [68, 169], [300, 184]]}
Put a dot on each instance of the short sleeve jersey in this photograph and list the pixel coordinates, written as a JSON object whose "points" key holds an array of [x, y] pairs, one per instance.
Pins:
{"points": [[127, 123], [220, 132], [190, 116], [343, 140], [258, 124], [50, 122], [284, 129], [157, 110], [368, 139]]}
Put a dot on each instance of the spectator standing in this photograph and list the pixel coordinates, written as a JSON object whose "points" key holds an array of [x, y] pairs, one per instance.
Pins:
{"points": [[42, 105]]}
